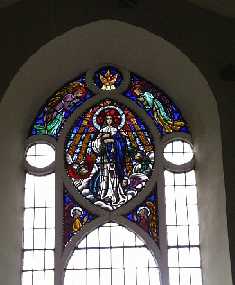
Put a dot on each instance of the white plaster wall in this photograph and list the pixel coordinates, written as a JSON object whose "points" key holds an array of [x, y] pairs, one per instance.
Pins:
{"points": [[155, 59]]}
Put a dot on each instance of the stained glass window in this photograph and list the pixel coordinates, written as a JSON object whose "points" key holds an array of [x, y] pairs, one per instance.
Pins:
{"points": [[59, 107], [109, 155], [146, 216], [75, 217], [108, 78], [157, 104], [111, 174]]}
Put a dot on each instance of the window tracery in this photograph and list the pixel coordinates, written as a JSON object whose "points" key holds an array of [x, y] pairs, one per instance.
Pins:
{"points": [[126, 162]]}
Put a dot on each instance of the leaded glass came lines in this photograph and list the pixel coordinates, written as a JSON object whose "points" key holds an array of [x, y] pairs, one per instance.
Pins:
{"points": [[52, 116], [157, 104], [109, 155], [106, 256]]}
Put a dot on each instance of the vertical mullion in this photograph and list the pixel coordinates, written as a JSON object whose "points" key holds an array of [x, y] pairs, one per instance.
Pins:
{"points": [[110, 241], [123, 258], [99, 254], [33, 218], [86, 260], [148, 273]]}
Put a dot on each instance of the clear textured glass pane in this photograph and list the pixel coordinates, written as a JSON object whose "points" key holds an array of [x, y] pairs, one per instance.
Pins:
{"points": [[79, 259], [104, 236], [105, 277], [27, 278], [169, 178], [38, 278], [190, 178], [93, 258], [39, 239], [178, 152], [142, 276], [130, 276], [181, 206], [184, 276], [72, 276], [105, 258], [29, 192], [119, 262], [40, 191], [192, 215], [151, 260], [179, 179], [189, 257], [28, 260], [118, 236], [170, 205], [142, 259], [28, 218], [183, 238], [172, 235], [50, 239], [194, 235], [93, 239], [191, 195], [49, 259], [39, 218], [118, 277], [174, 276], [138, 241], [196, 276], [117, 257], [36, 238], [129, 261], [49, 277], [38, 259], [28, 239], [50, 218], [173, 259], [154, 277], [195, 260], [128, 238], [40, 155], [92, 277]]}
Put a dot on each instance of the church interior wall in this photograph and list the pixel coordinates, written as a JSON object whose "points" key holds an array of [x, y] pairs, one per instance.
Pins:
{"points": [[25, 27]]}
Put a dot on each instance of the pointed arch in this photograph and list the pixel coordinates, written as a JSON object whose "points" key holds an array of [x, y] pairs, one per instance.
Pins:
{"points": [[171, 70]]}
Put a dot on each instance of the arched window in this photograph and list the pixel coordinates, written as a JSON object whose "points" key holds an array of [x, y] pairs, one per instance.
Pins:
{"points": [[110, 194]]}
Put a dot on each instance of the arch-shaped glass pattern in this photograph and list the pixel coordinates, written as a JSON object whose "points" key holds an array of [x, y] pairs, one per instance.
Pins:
{"points": [[157, 104], [59, 107], [112, 254], [147, 217], [75, 217], [107, 157], [109, 154]]}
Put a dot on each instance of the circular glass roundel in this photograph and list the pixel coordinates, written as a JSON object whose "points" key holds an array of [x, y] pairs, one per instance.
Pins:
{"points": [[178, 152], [40, 155], [108, 78], [109, 155]]}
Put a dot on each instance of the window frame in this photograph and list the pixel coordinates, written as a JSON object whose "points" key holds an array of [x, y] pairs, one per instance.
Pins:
{"points": [[103, 216]]}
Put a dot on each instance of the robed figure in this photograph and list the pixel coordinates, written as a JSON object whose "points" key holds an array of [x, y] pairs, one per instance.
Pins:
{"points": [[110, 148]]}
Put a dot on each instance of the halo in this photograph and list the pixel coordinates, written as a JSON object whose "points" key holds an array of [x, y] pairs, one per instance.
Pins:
{"points": [[145, 208], [75, 208], [122, 115]]}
